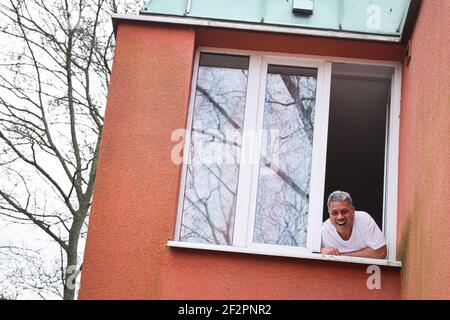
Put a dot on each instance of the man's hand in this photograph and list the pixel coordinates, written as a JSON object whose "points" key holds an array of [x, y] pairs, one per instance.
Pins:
{"points": [[330, 251]]}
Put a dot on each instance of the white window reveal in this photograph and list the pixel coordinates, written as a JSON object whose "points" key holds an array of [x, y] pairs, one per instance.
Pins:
{"points": [[255, 162]]}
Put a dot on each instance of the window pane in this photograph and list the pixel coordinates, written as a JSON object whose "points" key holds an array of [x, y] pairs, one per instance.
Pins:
{"points": [[286, 152], [213, 167]]}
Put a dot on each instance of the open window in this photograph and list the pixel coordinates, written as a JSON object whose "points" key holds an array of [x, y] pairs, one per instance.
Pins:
{"points": [[270, 136], [357, 135]]}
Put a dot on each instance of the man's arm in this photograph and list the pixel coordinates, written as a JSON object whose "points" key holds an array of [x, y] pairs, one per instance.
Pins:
{"points": [[368, 253], [363, 253]]}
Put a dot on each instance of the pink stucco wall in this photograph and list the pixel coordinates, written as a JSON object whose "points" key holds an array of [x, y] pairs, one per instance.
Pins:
{"points": [[424, 164], [136, 192]]}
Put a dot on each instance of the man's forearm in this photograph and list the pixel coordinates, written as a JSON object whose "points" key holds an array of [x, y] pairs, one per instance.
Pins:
{"points": [[368, 253]]}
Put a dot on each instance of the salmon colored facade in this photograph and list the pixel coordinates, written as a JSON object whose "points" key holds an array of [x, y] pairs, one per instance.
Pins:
{"points": [[137, 188], [424, 164]]}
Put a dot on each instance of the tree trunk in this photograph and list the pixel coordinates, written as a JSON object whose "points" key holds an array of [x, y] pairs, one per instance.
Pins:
{"points": [[72, 259]]}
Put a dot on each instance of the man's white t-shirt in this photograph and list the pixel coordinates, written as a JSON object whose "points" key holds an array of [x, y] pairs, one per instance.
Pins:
{"points": [[365, 233]]}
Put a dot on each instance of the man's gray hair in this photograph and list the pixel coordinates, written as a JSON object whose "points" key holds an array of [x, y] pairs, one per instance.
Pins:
{"points": [[339, 196]]}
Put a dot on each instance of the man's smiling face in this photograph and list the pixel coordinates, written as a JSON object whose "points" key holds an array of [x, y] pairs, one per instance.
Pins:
{"points": [[342, 216]]}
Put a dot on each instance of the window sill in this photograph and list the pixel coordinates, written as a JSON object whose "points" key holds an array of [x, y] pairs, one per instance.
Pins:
{"points": [[282, 251]]}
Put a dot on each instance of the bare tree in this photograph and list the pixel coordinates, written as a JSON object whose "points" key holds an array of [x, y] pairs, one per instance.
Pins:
{"points": [[27, 270], [53, 84]]}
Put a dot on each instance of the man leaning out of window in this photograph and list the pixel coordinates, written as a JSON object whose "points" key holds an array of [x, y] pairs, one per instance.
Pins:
{"points": [[349, 232]]}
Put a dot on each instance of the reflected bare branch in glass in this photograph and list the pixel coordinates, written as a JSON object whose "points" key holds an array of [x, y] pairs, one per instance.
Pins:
{"points": [[283, 199], [212, 177]]}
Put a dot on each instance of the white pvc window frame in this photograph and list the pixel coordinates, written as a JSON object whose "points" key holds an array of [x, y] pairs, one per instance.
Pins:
{"points": [[248, 172]]}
